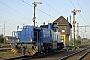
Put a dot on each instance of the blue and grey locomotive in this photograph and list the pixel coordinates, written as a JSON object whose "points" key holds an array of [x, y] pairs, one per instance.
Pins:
{"points": [[33, 40]]}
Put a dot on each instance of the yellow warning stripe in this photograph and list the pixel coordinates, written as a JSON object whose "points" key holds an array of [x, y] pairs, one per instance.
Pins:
{"points": [[15, 51], [33, 51]]}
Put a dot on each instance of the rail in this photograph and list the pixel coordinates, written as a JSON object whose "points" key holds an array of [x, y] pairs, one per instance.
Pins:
{"points": [[68, 56], [26, 57], [4, 49], [83, 55]]}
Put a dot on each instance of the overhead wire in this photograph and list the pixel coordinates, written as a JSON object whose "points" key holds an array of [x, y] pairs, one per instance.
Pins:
{"points": [[38, 9], [76, 9], [81, 9], [13, 25], [83, 13], [10, 13], [22, 14], [52, 7], [79, 12], [11, 20], [14, 10], [82, 18], [72, 4]]}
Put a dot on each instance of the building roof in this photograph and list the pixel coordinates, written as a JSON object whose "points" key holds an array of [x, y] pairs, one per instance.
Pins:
{"points": [[62, 21]]}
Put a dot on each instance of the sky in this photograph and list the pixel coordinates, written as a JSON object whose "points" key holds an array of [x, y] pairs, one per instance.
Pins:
{"points": [[15, 13]]}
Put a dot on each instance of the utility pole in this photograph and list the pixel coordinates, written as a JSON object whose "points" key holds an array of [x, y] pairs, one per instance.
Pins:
{"points": [[87, 39], [74, 22], [4, 31], [70, 30], [77, 30], [35, 5]]}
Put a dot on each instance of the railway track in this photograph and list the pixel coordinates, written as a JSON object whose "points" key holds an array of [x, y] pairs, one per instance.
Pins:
{"points": [[23, 57], [52, 56], [28, 57], [60, 55], [4, 49], [77, 55]]}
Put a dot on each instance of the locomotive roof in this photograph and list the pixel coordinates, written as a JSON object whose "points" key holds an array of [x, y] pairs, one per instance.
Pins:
{"points": [[44, 26]]}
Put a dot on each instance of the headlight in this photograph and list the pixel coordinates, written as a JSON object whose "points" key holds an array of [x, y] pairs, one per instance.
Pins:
{"points": [[30, 39]]}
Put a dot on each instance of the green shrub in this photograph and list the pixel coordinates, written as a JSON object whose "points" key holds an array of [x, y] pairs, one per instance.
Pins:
{"points": [[1, 39], [77, 42]]}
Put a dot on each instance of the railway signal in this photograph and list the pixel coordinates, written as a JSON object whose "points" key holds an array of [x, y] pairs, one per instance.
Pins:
{"points": [[35, 5], [74, 22]]}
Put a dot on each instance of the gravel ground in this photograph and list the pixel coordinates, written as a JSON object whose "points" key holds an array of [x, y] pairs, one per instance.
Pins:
{"points": [[76, 56], [57, 56], [87, 57]]}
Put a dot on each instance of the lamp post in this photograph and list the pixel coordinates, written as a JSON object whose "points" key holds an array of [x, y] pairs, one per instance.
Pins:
{"points": [[74, 22]]}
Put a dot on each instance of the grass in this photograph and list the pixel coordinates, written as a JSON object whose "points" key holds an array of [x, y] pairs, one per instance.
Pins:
{"points": [[6, 54]]}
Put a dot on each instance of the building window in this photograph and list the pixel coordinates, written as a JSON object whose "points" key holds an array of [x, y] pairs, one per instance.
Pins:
{"points": [[63, 31]]}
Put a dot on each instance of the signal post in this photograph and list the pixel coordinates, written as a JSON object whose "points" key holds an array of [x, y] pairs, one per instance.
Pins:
{"points": [[74, 22], [35, 5]]}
